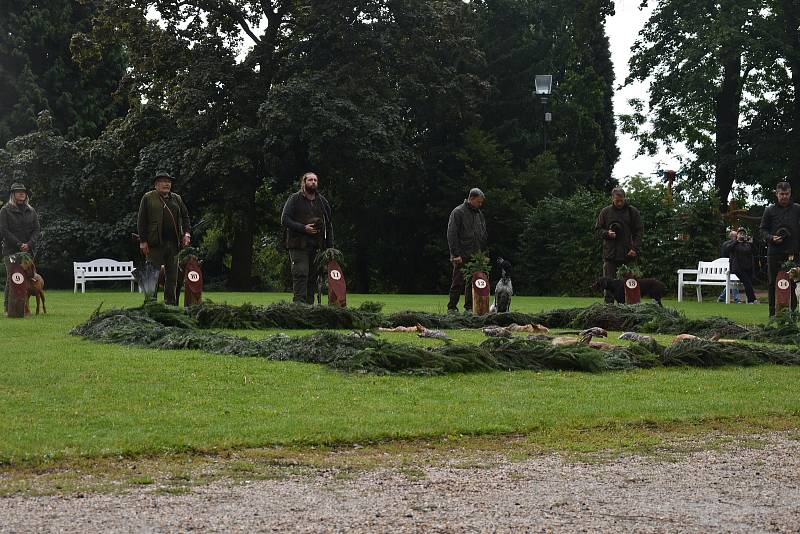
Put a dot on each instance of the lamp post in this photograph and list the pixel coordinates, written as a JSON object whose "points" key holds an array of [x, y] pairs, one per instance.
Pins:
{"points": [[543, 86]]}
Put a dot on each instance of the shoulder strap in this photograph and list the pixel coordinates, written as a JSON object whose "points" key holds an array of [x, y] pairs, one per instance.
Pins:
{"points": [[171, 216]]}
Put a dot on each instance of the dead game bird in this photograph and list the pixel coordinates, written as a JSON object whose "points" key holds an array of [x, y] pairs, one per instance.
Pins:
{"points": [[497, 331], [530, 328], [595, 331], [633, 336], [433, 334]]}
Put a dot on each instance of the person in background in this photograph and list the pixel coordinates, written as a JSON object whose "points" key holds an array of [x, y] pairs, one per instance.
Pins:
{"points": [[163, 226], [466, 236], [725, 252], [19, 229], [780, 228], [742, 261], [307, 219], [620, 228]]}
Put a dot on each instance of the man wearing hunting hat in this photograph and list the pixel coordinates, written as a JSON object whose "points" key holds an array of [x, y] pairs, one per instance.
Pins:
{"points": [[163, 225], [620, 228], [19, 229]]}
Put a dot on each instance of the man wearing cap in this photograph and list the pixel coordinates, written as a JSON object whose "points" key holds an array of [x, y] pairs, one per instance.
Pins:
{"points": [[780, 228], [306, 217], [163, 225], [620, 228], [19, 229], [466, 236]]}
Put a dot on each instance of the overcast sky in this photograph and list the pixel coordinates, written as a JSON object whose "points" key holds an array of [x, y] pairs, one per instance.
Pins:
{"points": [[622, 30]]}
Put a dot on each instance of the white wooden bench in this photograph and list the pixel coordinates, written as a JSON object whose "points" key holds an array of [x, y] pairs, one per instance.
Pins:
{"points": [[101, 269], [708, 273]]}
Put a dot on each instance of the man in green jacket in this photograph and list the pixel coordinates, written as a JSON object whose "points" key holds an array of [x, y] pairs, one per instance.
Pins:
{"points": [[620, 228], [19, 229], [466, 236], [163, 225]]}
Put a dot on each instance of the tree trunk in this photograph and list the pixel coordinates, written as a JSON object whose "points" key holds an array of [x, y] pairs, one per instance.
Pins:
{"points": [[242, 248], [727, 124]]}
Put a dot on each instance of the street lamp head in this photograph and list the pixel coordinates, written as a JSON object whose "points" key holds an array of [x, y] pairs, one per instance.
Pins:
{"points": [[544, 84]]}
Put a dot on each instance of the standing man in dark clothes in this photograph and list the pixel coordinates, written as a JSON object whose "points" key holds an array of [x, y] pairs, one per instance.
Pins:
{"points": [[19, 229], [780, 228], [163, 225], [307, 219], [620, 227], [725, 252], [740, 253], [466, 236]]}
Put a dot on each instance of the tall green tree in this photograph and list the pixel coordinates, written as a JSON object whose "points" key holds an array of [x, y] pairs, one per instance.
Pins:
{"points": [[699, 58], [568, 41], [38, 72], [378, 106], [208, 65]]}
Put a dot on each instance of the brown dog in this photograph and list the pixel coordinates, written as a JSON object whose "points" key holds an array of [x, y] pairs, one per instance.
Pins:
{"points": [[35, 286], [36, 289]]}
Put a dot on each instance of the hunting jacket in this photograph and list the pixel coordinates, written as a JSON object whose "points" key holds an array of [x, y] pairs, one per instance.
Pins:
{"points": [[628, 238], [18, 224], [776, 217], [466, 231], [300, 211], [153, 217]]}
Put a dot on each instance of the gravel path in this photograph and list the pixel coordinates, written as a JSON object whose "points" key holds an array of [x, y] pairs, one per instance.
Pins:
{"points": [[738, 489]]}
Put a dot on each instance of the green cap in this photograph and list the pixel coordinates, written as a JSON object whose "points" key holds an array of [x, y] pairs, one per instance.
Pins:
{"points": [[162, 174]]}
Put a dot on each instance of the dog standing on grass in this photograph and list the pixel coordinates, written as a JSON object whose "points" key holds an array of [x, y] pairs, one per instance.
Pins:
{"points": [[649, 287], [322, 284], [35, 286], [504, 290]]}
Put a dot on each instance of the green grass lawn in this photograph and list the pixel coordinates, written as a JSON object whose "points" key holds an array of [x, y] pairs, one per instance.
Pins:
{"points": [[62, 397]]}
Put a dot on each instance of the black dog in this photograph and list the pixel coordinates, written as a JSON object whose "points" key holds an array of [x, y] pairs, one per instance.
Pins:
{"points": [[649, 287], [322, 284]]}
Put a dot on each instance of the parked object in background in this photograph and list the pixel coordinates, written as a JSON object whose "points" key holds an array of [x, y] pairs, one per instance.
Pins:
{"points": [[100, 270], [708, 273]]}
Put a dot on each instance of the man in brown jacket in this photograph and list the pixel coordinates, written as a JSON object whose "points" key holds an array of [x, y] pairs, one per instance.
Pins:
{"points": [[620, 227], [163, 225]]}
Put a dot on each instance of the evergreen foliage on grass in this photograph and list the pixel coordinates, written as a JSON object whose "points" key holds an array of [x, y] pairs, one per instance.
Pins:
{"points": [[161, 327], [284, 315], [646, 318]]}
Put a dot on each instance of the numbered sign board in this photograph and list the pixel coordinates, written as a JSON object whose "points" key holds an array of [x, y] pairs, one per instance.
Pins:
{"points": [[192, 282], [17, 291], [633, 293], [480, 294], [783, 291], [337, 287]]}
